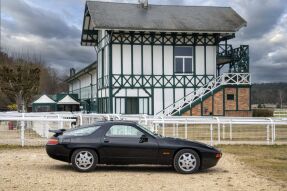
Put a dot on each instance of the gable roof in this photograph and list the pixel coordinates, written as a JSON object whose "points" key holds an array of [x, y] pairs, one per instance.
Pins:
{"points": [[126, 16], [68, 100], [44, 99], [83, 71]]}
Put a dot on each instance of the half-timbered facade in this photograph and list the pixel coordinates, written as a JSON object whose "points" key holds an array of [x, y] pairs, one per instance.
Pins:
{"points": [[165, 59]]}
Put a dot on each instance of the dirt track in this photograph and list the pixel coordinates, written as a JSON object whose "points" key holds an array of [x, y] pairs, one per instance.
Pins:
{"points": [[32, 169]]}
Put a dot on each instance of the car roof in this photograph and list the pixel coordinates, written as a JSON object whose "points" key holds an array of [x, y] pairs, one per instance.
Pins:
{"points": [[111, 122]]}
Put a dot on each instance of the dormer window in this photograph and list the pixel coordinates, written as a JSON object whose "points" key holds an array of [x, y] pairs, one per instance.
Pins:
{"points": [[183, 60]]}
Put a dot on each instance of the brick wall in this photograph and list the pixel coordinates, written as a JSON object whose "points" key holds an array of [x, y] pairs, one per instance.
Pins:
{"points": [[238, 113], [218, 103], [243, 98], [230, 104], [207, 106]]}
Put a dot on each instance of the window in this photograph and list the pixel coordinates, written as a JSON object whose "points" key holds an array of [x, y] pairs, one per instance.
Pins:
{"points": [[81, 131], [183, 59], [132, 105], [123, 131], [230, 96]]}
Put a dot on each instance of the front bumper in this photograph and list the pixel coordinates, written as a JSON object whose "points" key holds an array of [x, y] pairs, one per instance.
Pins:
{"points": [[210, 159]]}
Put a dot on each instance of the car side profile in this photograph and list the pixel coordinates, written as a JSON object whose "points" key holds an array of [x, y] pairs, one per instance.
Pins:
{"points": [[124, 142]]}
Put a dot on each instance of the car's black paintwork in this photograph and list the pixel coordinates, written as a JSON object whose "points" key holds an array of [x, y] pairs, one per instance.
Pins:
{"points": [[121, 150]]}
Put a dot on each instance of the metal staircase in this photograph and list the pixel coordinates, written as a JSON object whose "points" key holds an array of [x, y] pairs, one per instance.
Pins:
{"points": [[197, 95], [237, 58]]}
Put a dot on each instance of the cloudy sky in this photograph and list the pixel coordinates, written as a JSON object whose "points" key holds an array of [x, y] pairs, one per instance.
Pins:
{"points": [[52, 29]]}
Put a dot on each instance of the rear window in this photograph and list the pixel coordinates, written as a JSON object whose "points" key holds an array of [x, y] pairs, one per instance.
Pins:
{"points": [[81, 131]]}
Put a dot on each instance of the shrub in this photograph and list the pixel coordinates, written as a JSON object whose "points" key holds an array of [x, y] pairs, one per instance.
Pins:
{"points": [[262, 113]]}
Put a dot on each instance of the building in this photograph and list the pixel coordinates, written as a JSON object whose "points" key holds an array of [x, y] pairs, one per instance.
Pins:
{"points": [[165, 60], [59, 102], [83, 83]]}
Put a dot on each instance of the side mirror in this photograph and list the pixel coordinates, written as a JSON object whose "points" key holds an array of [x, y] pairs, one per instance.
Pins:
{"points": [[143, 139]]}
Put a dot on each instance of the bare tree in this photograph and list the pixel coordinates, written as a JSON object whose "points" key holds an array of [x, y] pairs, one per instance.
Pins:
{"points": [[19, 78]]}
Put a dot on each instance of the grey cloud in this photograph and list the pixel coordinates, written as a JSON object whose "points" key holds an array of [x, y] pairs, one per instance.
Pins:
{"points": [[262, 16], [36, 21]]}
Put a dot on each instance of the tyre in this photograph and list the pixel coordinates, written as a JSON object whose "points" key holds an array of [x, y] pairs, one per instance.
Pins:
{"points": [[186, 161], [84, 160]]}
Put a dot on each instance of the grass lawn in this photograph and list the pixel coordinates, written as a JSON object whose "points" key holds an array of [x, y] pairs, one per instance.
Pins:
{"points": [[270, 161]]}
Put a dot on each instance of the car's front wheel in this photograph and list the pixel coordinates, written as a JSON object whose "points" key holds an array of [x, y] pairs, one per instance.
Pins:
{"points": [[186, 161], [84, 160]]}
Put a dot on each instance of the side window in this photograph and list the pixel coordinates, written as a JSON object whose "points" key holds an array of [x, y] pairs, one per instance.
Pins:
{"points": [[123, 131]]}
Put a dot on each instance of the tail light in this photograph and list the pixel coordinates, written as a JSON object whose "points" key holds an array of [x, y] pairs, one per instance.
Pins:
{"points": [[218, 155], [52, 141]]}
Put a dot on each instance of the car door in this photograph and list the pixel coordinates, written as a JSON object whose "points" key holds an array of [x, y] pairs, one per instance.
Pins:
{"points": [[122, 144]]}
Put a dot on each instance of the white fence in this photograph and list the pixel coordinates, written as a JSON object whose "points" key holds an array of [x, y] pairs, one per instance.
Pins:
{"points": [[280, 113], [32, 128]]}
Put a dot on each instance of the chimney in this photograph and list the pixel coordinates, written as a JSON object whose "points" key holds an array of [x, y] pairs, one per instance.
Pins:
{"points": [[143, 3], [72, 72]]}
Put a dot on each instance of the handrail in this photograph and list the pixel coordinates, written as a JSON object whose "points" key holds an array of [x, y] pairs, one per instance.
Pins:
{"points": [[225, 79]]}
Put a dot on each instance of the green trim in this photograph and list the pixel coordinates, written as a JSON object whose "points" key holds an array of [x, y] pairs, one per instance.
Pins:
{"points": [[205, 57], [162, 53], [237, 98], [224, 102], [110, 79], [152, 81]]}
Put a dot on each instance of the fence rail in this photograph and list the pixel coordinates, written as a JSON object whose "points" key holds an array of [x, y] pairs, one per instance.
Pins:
{"points": [[32, 128]]}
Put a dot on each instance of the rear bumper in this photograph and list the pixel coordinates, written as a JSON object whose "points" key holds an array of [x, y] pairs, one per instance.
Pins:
{"points": [[58, 152]]}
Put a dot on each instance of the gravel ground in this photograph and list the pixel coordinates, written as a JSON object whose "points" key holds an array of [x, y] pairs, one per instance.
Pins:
{"points": [[32, 169]]}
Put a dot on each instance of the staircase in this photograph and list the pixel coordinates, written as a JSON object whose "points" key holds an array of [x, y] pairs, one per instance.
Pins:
{"points": [[237, 58], [198, 95]]}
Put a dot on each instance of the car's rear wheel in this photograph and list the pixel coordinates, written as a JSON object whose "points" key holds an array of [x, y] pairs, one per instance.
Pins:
{"points": [[186, 161], [84, 160]]}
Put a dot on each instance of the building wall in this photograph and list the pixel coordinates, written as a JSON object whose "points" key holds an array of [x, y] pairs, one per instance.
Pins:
{"points": [[158, 60], [218, 105]]}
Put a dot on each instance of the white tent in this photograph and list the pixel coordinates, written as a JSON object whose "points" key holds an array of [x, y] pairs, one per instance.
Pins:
{"points": [[68, 100], [43, 100]]}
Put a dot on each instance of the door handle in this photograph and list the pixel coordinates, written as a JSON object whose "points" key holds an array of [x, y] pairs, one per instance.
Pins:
{"points": [[106, 140]]}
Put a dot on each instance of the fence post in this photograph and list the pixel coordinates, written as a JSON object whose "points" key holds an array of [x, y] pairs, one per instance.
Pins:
{"points": [[23, 130], [218, 129], [223, 131], [185, 129], [163, 127], [267, 134], [177, 130], [230, 130], [211, 134], [46, 129], [272, 130], [81, 119]]}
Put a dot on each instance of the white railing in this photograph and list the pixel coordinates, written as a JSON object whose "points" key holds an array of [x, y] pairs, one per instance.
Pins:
{"points": [[280, 113], [17, 128], [224, 79], [211, 130]]}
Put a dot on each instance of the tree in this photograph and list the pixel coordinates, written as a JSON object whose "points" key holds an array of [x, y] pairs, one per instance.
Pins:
{"points": [[281, 96], [20, 80]]}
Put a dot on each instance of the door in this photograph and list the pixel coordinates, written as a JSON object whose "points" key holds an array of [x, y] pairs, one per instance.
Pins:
{"points": [[122, 144], [132, 105]]}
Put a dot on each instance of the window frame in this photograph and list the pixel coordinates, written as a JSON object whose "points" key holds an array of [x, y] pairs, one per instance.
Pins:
{"points": [[125, 136], [183, 61]]}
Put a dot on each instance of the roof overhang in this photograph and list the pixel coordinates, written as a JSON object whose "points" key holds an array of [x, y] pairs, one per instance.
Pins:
{"points": [[157, 18]]}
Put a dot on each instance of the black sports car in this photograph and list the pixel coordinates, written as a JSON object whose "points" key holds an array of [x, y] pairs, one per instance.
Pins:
{"points": [[124, 142]]}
